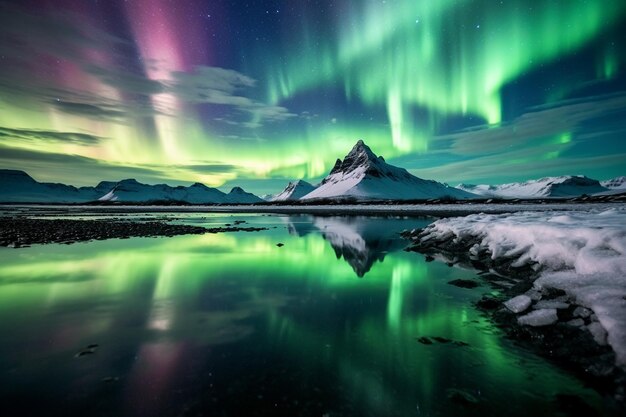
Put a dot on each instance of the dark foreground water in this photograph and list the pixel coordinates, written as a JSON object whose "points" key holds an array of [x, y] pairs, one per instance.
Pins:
{"points": [[233, 325]]}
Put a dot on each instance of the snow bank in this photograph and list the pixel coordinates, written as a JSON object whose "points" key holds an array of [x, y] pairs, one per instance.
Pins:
{"points": [[582, 253]]}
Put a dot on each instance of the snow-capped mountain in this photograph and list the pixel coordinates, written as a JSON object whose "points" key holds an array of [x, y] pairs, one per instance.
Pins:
{"points": [[617, 183], [130, 190], [364, 175], [19, 187], [238, 196], [294, 191], [563, 186]]}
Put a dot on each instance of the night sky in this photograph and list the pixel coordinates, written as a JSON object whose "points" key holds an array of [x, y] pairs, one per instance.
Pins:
{"points": [[256, 93]]}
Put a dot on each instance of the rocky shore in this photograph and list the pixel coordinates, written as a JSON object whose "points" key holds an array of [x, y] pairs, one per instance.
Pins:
{"points": [[547, 320], [19, 232]]}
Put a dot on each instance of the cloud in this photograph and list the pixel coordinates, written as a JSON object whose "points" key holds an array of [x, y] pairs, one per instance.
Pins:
{"points": [[540, 122], [124, 80], [508, 166], [211, 79], [37, 136], [67, 42], [56, 34], [88, 110], [74, 169], [220, 86], [209, 168]]}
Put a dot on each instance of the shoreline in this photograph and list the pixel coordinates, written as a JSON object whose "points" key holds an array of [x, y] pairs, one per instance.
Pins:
{"points": [[16, 232], [547, 320], [409, 210]]}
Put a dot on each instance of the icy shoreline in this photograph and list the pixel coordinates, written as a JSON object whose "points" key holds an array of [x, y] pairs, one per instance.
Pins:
{"points": [[579, 257]]}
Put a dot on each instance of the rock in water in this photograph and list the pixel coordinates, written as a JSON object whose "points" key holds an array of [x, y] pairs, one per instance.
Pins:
{"points": [[461, 397], [536, 318], [464, 283], [518, 304]]}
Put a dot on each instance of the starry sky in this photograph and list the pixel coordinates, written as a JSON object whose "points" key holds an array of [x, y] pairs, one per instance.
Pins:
{"points": [[256, 93]]}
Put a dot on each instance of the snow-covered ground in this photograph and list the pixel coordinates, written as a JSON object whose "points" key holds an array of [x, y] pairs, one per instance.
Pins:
{"points": [[580, 252]]}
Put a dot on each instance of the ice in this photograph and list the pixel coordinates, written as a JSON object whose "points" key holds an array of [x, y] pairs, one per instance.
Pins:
{"points": [[598, 333], [604, 294], [559, 305], [580, 252], [518, 304], [536, 318]]}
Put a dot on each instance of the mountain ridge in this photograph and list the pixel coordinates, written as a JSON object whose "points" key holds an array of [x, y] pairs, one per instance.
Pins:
{"points": [[560, 186], [17, 186]]}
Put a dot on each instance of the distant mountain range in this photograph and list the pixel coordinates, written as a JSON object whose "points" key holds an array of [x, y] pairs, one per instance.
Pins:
{"points": [[361, 175], [19, 187], [564, 186]]}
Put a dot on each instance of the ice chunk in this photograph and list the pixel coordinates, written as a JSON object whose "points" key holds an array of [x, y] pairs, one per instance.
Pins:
{"points": [[543, 317], [550, 304], [518, 304], [598, 333], [534, 294]]}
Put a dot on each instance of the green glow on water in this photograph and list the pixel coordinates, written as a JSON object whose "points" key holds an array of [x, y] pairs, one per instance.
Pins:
{"points": [[239, 292]]}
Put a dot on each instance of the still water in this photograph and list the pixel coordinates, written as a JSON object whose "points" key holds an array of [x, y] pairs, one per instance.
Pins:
{"points": [[231, 324]]}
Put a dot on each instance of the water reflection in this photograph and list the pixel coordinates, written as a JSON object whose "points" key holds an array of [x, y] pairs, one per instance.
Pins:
{"points": [[230, 324], [359, 240]]}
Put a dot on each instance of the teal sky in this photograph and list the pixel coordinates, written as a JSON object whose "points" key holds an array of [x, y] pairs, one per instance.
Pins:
{"points": [[258, 93]]}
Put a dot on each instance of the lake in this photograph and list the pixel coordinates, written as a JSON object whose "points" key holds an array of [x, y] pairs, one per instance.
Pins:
{"points": [[231, 324]]}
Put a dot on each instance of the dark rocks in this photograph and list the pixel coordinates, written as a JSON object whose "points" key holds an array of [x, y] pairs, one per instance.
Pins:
{"points": [[425, 341], [464, 283], [89, 350], [461, 397], [488, 303], [573, 405], [17, 232], [441, 340]]}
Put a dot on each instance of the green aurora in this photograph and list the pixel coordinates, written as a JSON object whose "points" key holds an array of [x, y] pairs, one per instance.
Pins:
{"points": [[260, 94]]}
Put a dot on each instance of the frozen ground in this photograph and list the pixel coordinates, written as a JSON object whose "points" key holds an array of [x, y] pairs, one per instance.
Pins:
{"points": [[580, 252]]}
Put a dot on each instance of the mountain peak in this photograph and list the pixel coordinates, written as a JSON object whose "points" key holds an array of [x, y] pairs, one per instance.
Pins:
{"points": [[361, 149], [237, 190], [359, 156]]}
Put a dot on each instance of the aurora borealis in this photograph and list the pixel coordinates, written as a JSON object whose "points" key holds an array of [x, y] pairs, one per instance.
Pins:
{"points": [[256, 93]]}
